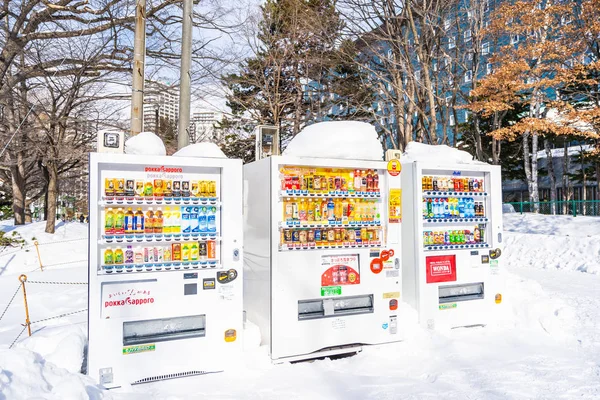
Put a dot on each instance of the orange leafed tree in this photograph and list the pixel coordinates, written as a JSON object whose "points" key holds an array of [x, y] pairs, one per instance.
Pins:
{"points": [[536, 46]]}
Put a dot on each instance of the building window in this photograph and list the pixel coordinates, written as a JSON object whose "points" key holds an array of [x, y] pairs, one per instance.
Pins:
{"points": [[447, 24], [470, 56], [452, 42], [448, 100], [451, 120], [514, 39], [485, 49], [450, 81], [488, 68], [486, 5], [418, 75], [468, 76], [469, 14], [446, 61], [467, 113], [467, 35], [566, 19]]}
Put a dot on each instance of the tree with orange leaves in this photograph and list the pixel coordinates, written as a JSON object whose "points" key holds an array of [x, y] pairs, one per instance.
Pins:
{"points": [[536, 46]]}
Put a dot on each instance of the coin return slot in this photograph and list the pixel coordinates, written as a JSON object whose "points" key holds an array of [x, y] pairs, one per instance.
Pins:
{"points": [[336, 307], [164, 329], [454, 293]]}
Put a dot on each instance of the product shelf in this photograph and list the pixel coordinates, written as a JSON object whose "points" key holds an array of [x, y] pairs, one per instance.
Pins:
{"points": [[315, 246], [454, 220], [430, 193], [109, 239], [455, 246], [158, 267], [331, 224], [336, 194], [107, 201]]}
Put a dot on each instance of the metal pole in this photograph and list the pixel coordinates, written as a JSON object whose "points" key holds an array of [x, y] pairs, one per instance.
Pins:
{"points": [[185, 95], [156, 120], [23, 279], [38, 254], [139, 55]]}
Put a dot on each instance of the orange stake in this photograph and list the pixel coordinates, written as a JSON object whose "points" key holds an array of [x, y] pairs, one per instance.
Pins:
{"points": [[23, 279], [38, 253]]}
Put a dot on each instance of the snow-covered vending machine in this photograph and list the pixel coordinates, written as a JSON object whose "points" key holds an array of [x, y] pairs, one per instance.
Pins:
{"points": [[322, 254], [453, 213], [165, 267]]}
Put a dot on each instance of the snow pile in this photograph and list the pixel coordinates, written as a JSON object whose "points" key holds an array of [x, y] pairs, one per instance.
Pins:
{"points": [[553, 242], [26, 375], [204, 149], [145, 144], [351, 140], [507, 208], [441, 154]]}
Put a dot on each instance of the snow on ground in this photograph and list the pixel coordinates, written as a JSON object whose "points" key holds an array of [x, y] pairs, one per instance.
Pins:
{"points": [[545, 343], [145, 144]]}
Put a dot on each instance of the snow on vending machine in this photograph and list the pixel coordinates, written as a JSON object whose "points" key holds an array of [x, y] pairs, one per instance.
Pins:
{"points": [[165, 269], [454, 214], [322, 254]]}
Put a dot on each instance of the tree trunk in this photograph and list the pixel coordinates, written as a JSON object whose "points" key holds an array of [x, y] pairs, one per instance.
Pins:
{"points": [[18, 191], [565, 178], [478, 144], [584, 181], [551, 175], [534, 195], [52, 197]]}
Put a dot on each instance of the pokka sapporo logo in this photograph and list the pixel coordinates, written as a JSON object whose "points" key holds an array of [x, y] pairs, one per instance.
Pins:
{"points": [[132, 298], [163, 169]]}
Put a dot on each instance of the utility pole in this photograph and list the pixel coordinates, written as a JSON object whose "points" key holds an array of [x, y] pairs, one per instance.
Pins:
{"points": [[185, 95], [139, 55]]}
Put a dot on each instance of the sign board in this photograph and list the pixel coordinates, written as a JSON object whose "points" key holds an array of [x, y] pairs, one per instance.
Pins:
{"points": [[440, 268]]}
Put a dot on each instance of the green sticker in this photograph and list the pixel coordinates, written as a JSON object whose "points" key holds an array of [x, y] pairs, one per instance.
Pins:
{"points": [[493, 263], [331, 291], [139, 349], [447, 306]]}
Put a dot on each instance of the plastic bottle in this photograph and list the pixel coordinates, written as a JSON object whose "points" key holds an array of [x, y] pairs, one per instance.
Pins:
{"points": [[310, 212], [158, 222], [176, 220], [330, 210], [369, 181], [149, 222], [429, 208], [446, 208], [167, 221], [119, 259], [212, 219], [119, 222], [363, 181], [109, 222], [202, 219], [302, 210], [317, 211], [461, 208], [129, 222], [357, 180], [185, 220], [109, 257], [185, 252], [138, 255], [194, 222], [129, 255], [375, 181], [194, 253], [139, 221]]}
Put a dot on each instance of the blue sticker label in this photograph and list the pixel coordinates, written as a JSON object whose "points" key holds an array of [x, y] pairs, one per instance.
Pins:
{"points": [[384, 326]]}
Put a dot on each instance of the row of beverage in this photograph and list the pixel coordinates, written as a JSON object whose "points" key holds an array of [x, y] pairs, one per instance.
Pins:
{"points": [[451, 184], [158, 188], [176, 220], [329, 180], [330, 210], [452, 207], [326, 236], [173, 253], [431, 238]]}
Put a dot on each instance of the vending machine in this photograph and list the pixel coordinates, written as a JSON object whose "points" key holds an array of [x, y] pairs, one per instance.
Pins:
{"points": [[165, 267], [454, 215], [322, 254]]}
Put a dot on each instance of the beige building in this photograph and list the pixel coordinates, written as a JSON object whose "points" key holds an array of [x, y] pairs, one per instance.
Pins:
{"points": [[162, 98]]}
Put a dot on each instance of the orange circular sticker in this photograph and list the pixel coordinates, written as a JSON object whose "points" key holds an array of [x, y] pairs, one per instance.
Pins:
{"points": [[392, 253], [352, 277], [385, 255], [376, 266], [394, 167]]}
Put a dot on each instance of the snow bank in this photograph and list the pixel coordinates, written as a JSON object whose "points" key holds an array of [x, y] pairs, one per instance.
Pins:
{"points": [[507, 208], [26, 375], [204, 149], [441, 154], [145, 144], [62, 346], [351, 140], [252, 336]]}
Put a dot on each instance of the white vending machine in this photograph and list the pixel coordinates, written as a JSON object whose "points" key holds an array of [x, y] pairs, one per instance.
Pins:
{"points": [[165, 267], [454, 215], [322, 254]]}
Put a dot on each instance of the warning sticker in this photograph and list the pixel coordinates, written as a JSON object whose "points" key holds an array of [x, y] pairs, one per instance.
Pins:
{"points": [[394, 167]]}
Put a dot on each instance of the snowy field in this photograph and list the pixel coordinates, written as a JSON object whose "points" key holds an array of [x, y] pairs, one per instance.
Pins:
{"points": [[545, 343]]}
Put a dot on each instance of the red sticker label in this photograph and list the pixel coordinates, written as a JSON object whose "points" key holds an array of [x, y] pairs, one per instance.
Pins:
{"points": [[385, 255], [440, 269], [376, 265]]}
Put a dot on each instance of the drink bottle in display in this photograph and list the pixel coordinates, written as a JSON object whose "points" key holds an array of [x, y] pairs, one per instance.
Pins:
{"points": [[429, 208], [176, 220], [375, 181], [202, 250], [185, 220], [109, 187], [138, 255], [109, 222], [167, 221], [139, 221], [302, 211], [212, 189], [195, 188], [211, 249], [129, 255], [120, 187], [363, 181], [194, 223], [357, 180], [129, 222], [194, 252], [317, 211], [149, 222], [158, 221], [119, 259], [129, 188], [158, 188], [288, 210], [176, 252], [119, 222], [176, 189], [185, 188], [212, 219], [202, 219], [185, 252], [369, 181], [148, 189], [330, 210], [168, 188], [109, 256], [167, 255]]}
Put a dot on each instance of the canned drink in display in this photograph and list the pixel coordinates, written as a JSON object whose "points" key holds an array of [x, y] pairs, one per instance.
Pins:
{"points": [[109, 187], [331, 235], [287, 236], [202, 250], [203, 189], [364, 235], [168, 188], [317, 183], [303, 236], [310, 182], [129, 188], [351, 235], [376, 234], [185, 189], [318, 237], [176, 188], [287, 182], [158, 188], [310, 236], [338, 234], [357, 237], [370, 235], [195, 189], [119, 187], [212, 189], [295, 237], [211, 248]]}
